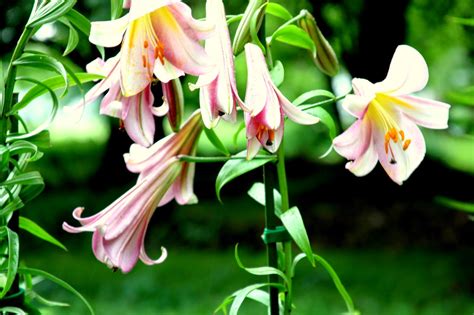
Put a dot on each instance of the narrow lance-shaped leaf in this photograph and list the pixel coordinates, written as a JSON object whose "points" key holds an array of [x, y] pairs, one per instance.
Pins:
{"points": [[33, 228], [259, 271], [294, 224], [277, 73], [257, 193], [49, 12], [235, 168], [13, 251], [456, 204], [62, 283], [326, 119], [303, 98], [242, 294], [28, 178], [73, 38], [116, 8]]}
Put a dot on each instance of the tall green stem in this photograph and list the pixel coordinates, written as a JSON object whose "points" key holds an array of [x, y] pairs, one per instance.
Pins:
{"points": [[10, 82], [285, 205]]}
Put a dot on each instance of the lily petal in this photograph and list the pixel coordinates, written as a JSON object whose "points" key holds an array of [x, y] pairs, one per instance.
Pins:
{"points": [[406, 160], [425, 112], [353, 142], [139, 123], [108, 33], [408, 72], [294, 113], [365, 163], [356, 105]]}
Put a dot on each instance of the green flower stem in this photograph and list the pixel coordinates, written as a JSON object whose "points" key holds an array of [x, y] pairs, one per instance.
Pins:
{"points": [[217, 159], [325, 102], [271, 222], [285, 205], [10, 82]]}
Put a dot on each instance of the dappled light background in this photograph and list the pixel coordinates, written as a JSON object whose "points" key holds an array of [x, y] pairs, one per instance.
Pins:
{"points": [[396, 248]]}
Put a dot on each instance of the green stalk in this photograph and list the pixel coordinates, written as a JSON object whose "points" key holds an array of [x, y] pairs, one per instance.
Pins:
{"points": [[285, 205], [10, 82]]}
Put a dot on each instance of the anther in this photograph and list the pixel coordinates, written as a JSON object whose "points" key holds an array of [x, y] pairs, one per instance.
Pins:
{"points": [[393, 161], [220, 113], [114, 269], [271, 137], [144, 61], [145, 44], [402, 135], [406, 144], [386, 147], [393, 134]]}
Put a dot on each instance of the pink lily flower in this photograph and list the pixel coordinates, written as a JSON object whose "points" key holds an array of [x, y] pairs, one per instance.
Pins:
{"points": [[387, 118], [136, 112], [119, 230], [217, 89], [266, 106], [162, 30]]}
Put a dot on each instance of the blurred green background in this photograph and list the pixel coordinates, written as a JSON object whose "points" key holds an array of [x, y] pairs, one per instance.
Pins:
{"points": [[396, 249]]}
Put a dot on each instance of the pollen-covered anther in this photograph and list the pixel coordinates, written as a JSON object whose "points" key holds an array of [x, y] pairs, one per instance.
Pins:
{"points": [[144, 61], [406, 144], [160, 52], [271, 137], [393, 134], [145, 44], [402, 135]]}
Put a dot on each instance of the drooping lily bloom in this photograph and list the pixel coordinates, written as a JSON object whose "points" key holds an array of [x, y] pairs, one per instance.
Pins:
{"points": [[218, 92], [119, 230], [266, 106], [387, 118], [135, 111], [173, 99], [158, 37]]}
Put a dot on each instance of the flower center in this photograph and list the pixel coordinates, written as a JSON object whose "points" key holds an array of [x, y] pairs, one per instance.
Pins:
{"points": [[394, 135], [262, 130]]}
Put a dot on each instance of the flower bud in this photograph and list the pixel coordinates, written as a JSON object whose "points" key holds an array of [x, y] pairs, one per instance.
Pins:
{"points": [[325, 59], [242, 35], [173, 96]]}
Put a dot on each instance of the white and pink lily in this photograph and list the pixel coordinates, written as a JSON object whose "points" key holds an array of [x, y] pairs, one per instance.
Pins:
{"points": [[162, 30], [119, 230], [266, 106], [387, 118], [217, 89], [136, 112]]}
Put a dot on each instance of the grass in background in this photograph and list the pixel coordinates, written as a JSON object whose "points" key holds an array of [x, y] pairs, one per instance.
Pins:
{"points": [[195, 282]]}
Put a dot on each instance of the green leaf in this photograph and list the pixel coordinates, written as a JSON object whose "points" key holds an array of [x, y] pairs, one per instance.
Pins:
{"points": [[12, 310], [242, 294], [53, 83], [116, 8], [216, 142], [294, 224], [73, 38], [455, 204], [4, 157], [46, 62], [311, 94], [234, 18], [237, 132], [335, 278], [235, 168], [279, 11], [462, 21], [28, 178], [15, 204], [326, 119], [2, 86], [257, 193], [23, 147], [38, 298], [294, 36], [255, 24], [259, 271], [28, 193], [50, 11], [277, 73], [31, 226], [79, 21], [62, 283], [13, 252], [42, 139]]}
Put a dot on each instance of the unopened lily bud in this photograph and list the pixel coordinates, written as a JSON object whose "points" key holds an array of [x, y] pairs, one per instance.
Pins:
{"points": [[325, 59], [242, 35], [173, 97]]}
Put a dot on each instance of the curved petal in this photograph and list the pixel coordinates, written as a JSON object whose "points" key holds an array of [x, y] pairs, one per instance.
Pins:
{"points": [[294, 113], [363, 88], [183, 185], [425, 112], [353, 142], [137, 60], [196, 29], [253, 146], [111, 104], [365, 163], [356, 105], [408, 72], [139, 8], [179, 48], [166, 72], [108, 33], [140, 123], [256, 92], [148, 261], [404, 162], [208, 105]]}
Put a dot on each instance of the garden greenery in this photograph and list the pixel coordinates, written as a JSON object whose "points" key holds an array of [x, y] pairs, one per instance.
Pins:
{"points": [[159, 42]]}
